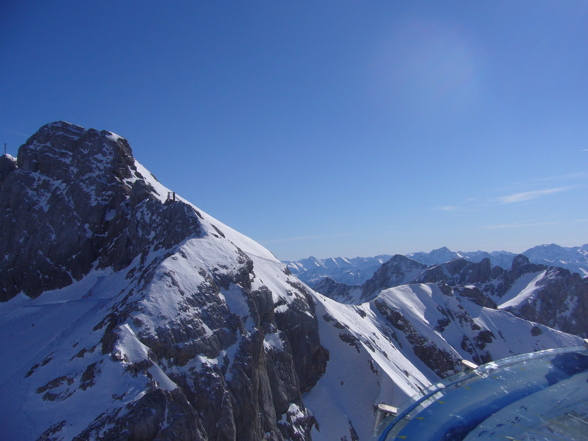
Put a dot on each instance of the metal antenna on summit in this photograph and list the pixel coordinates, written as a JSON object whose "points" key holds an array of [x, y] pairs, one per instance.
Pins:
{"points": [[4, 149]]}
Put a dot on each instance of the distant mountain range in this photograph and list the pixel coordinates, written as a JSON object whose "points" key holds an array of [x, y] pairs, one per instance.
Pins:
{"points": [[550, 295], [358, 270]]}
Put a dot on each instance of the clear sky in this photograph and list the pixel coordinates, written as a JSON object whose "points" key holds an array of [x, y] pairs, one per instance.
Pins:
{"points": [[327, 128]]}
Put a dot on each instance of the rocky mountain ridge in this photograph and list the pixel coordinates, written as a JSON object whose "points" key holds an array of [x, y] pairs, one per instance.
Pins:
{"points": [[100, 211], [552, 296], [350, 271], [358, 270]]}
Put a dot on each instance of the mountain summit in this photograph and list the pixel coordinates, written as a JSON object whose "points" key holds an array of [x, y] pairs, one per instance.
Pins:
{"points": [[77, 201], [150, 318]]}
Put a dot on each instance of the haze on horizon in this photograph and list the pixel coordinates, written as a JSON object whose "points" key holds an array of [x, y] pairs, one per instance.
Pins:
{"points": [[327, 128]]}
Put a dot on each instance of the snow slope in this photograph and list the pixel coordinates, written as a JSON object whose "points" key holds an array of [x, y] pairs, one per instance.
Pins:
{"points": [[53, 342], [400, 342]]}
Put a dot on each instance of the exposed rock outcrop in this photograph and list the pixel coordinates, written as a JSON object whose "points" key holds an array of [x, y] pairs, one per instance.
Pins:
{"points": [[557, 298], [339, 291], [458, 272], [78, 201], [396, 271], [7, 166], [437, 359]]}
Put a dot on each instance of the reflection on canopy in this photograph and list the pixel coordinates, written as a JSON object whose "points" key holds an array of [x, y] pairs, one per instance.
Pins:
{"points": [[537, 396]]}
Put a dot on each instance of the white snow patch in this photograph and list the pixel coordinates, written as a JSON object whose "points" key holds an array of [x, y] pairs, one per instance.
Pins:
{"points": [[163, 381], [235, 300], [526, 286], [113, 136], [273, 341], [129, 346]]}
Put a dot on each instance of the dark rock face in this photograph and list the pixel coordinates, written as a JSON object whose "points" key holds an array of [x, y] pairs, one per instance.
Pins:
{"points": [[338, 291], [458, 272], [392, 273], [476, 296], [255, 395], [159, 415], [299, 325], [94, 205], [7, 166], [521, 265], [561, 301], [489, 281]]}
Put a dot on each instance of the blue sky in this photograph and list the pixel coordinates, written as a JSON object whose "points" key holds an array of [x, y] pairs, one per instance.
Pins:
{"points": [[333, 128]]}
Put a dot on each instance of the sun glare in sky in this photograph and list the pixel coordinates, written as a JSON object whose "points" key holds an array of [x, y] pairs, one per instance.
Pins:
{"points": [[327, 128]]}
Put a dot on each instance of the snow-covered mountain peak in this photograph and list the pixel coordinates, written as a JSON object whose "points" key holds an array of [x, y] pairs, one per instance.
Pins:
{"points": [[573, 258], [78, 200], [396, 271], [64, 151], [119, 293]]}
